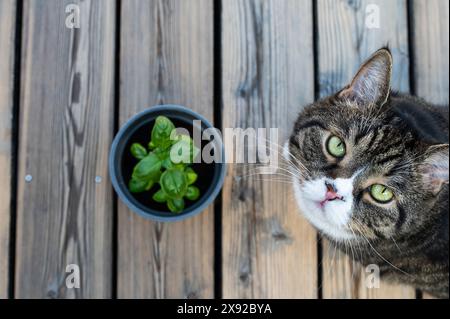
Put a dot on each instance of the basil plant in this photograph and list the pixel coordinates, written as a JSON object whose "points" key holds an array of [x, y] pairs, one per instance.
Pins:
{"points": [[165, 162]]}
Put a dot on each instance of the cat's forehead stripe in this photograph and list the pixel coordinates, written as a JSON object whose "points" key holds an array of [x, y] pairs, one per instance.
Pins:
{"points": [[311, 123]]}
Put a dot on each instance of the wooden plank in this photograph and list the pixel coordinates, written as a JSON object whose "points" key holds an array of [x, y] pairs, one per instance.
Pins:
{"points": [[431, 50], [269, 250], [345, 42], [431, 53], [7, 37], [66, 125], [166, 57], [343, 279], [427, 296]]}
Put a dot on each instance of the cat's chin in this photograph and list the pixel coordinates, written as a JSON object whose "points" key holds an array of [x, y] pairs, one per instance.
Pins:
{"points": [[330, 220]]}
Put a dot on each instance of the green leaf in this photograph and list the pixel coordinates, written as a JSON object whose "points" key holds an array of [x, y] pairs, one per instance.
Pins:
{"points": [[162, 153], [137, 185], [184, 151], [175, 205], [160, 196], [179, 167], [161, 132], [150, 184], [192, 193], [167, 163], [174, 183], [148, 168], [138, 151], [191, 176]]}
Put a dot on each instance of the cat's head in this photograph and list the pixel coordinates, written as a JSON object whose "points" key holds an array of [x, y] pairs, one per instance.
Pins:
{"points": [[360, 171]]}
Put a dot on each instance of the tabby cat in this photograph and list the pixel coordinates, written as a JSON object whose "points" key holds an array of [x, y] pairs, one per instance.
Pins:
{"points": [[372, 173]]}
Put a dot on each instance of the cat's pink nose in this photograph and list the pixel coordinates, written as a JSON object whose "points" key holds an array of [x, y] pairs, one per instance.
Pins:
{"points": [[331, 193], [332, 196]]}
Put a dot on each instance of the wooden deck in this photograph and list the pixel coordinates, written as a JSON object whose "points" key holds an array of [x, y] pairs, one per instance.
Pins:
{"points": [[241, 63]]}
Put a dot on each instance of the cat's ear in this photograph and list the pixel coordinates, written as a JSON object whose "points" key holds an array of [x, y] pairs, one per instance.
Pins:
{"points": [[371, 85], [434, 168]]}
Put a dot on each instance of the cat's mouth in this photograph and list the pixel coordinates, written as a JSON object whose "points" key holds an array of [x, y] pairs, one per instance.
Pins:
{"points": [[330, 197], [325, 208]]}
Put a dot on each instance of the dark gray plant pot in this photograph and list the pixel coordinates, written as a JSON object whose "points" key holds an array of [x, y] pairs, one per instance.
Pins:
{"points": [[121, 163]]}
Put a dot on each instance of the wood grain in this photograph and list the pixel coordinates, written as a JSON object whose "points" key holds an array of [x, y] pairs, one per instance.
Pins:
{"points": [[7, 37], [344, 43], [426, 295], [431, 53], [269, 250], [431, 50], [166, 57], [66, 126], [345, 279]]}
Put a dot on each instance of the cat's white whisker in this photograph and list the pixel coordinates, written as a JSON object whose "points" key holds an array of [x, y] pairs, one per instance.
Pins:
{"points": [[381, 256], [291, 156]]}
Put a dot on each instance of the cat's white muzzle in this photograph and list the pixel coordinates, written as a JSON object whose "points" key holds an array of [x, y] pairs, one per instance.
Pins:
{"points": [[329, 217]]}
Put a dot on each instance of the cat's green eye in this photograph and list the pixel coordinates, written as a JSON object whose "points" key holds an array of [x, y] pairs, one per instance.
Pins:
{"points": [[381, 193], [336, 146]]}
